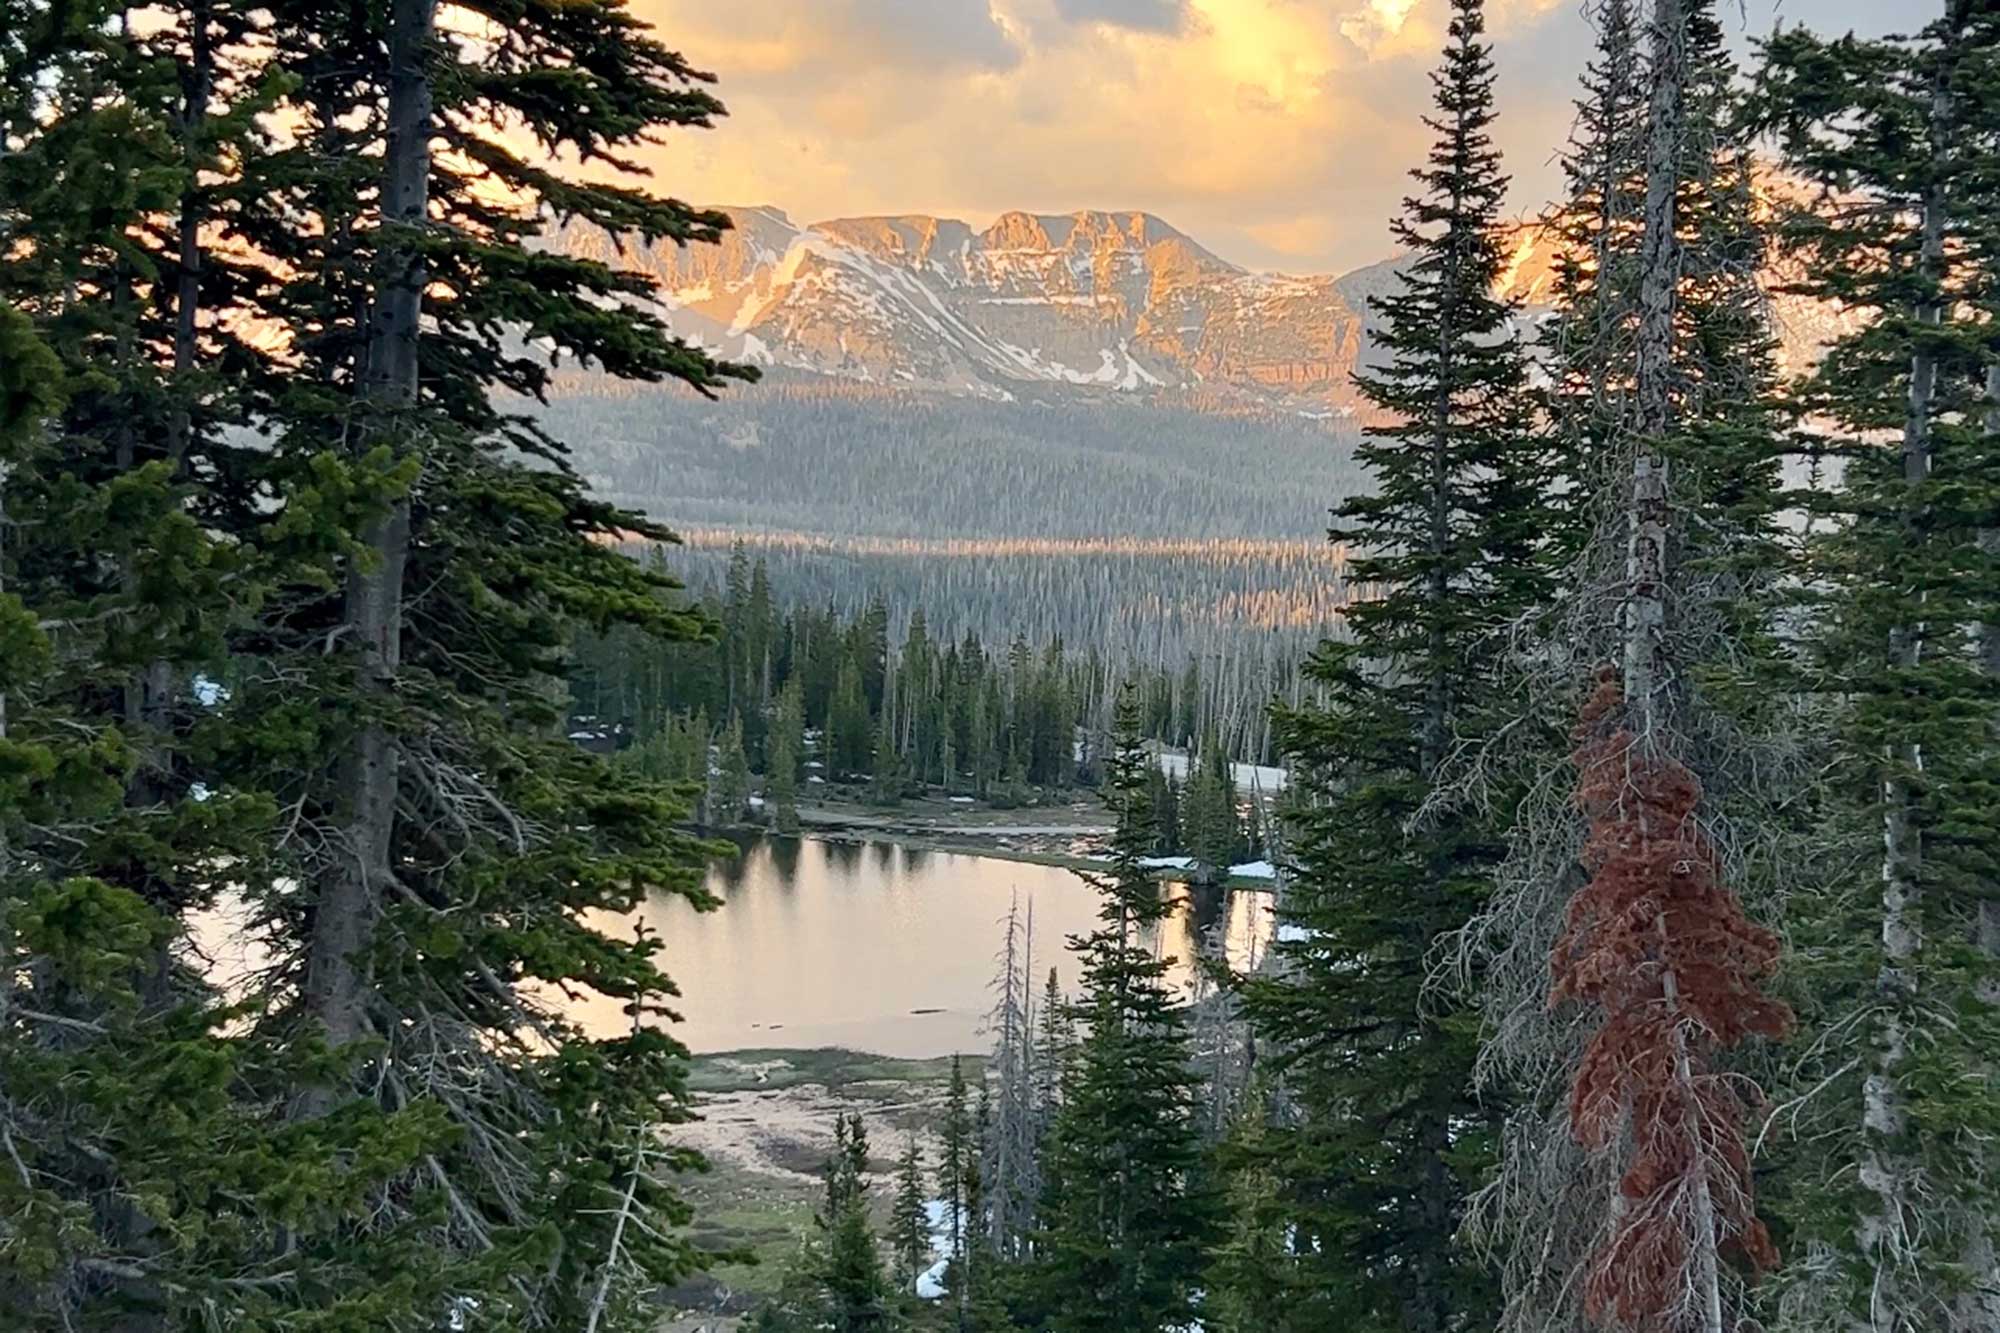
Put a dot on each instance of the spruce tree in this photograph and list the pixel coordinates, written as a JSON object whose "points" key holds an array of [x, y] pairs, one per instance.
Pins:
{"points": [[1893, 1201], [452, 861], [1127, 1212], [784, 749], [1386, 1139], [140, 1172], [837, 1281], [957, 1161], [733, 783], [910, 1223]]}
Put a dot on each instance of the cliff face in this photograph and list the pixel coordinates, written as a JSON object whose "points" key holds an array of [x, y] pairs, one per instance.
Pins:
{"points": [[1119, 303]]}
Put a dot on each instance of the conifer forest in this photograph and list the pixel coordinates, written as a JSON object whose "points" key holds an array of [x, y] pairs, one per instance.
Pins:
{"points": [[1594, 695]]}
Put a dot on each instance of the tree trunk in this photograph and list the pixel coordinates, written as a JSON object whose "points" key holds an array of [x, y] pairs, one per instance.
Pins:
{"points": [[1887, 1174], [1979, 1306], [1648, 556], [362, 869]]}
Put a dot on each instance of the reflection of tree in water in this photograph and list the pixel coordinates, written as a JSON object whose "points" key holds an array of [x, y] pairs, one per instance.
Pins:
{"points": [[843, 857], [916, 860], [784, 854], [732, 869], [1205, 901], [884, 854]]}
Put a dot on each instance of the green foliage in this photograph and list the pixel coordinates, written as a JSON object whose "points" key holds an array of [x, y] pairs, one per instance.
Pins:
{"points": [[909, 1221], [1888, 1179], [1380, 1138], [838, 1281], [1127, 1213]]}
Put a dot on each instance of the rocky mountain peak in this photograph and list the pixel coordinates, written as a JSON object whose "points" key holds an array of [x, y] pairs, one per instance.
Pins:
{"points": [[1119, 302]]}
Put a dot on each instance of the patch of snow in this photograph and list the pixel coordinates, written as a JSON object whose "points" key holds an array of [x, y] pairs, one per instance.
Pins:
{"points": [[1249, 777], [1167, 862], [1254, 870], [962, 800]]}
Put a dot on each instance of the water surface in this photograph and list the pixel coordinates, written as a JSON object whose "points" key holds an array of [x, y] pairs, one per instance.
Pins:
{"points": [[882, 948]]}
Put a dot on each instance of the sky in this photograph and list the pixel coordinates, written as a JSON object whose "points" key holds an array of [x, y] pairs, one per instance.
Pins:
{"points": [[1274, 132]]}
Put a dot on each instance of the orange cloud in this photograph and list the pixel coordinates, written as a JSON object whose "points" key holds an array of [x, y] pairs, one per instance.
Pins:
{"points": [[1275, 131]]}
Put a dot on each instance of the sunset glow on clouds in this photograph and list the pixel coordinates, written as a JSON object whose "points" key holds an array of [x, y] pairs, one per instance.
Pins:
{"points": [[1275, 131]]}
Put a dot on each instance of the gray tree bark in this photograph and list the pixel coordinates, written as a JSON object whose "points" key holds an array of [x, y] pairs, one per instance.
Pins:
{"points": [[1889, 1176], [362, 868], [1648, 555]]}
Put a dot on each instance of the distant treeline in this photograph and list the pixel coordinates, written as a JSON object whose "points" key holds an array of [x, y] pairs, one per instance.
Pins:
{"points": [[881, 698], [1154, 603], [813, 459]]}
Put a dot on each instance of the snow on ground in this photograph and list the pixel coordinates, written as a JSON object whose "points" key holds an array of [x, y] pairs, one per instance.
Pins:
{"points": [[1249, 777], [930, 1282], [1254, 870], [1167, 862]]}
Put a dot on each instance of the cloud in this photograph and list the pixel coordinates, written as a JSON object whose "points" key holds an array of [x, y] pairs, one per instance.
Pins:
{"points": [[832, 38], [1145, 15], [1276, 132]]}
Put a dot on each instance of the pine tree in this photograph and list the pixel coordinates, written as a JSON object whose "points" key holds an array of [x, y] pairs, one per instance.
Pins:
{"points": [[1387, 1140], [837, 1282], [1893, 1201], [732, 785], [957, 1162], [1588, 342], [910, 1223], [1126, 1213], [781, 767], [453, 860], [1252, 1270], [850, 737], [1055, 1043], [138, 1170]]}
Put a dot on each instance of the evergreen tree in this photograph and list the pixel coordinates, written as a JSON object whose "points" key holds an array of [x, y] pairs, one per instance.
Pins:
{"points": [[453, 861], [910, 1223], [1055, 1042], [1386, 1140], [1893, 1198], [139, 1172], [957, 1162], [1588, 342], [837, 1281], [850, 738], [1126, 1214], [1253, 1268], [732, 786], [781, 767]]}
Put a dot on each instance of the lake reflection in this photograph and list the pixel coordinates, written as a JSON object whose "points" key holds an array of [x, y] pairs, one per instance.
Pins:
{"points": [[879, 947]]}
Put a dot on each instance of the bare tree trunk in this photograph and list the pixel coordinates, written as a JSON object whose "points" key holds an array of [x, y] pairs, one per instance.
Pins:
{"points": [[344, 916], [1890, 1177], [1648, 556]]}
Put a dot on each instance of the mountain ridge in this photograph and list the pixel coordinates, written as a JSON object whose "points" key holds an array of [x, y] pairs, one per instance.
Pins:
{"points": [[1117, 302]]}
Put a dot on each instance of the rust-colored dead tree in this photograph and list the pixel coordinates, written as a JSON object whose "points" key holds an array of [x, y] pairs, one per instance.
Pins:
{"points": [[1661, 945]]}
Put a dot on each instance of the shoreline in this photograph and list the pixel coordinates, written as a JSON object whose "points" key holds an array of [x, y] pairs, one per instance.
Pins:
{"points": [[861, 824]]}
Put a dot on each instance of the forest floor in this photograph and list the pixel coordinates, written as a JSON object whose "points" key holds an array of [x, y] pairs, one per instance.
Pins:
{"points": [[766, 1128]]}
